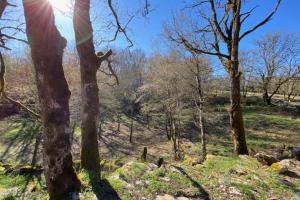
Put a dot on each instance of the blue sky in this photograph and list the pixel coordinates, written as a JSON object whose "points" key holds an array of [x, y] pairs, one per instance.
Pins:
{"points": [[145, 32]]}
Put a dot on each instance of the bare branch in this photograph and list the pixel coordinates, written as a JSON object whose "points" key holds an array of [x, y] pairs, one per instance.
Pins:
{"points": [[105, 57], [120, 29], [268, 18], [4, 95], [216, 22]]}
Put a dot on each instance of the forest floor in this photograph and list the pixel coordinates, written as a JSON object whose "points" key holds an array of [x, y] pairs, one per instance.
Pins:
{"points": [[222, 176]]}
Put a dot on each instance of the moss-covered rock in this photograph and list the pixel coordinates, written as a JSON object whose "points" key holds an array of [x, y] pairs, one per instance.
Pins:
{"points": [[279, 168], [265, 159], [111, 165]]}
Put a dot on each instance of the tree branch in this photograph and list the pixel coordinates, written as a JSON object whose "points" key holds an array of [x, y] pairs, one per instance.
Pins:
{"points": [[268, 18]]}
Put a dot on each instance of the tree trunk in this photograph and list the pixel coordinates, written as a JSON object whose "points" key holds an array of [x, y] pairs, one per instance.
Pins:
{"points": [[36, 149], [203, 136], [89, 88], [267, 99], [200, 110], [167, 125], [119, 122], [47, 47], [131, 130], [236, 117], [174, 137], [148, 121]]}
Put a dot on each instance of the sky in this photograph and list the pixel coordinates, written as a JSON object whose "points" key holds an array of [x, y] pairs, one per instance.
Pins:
{"points": [[146, 32]]}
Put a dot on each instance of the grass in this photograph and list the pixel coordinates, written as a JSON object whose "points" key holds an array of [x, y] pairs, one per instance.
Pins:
{"points": [[223, 175]]}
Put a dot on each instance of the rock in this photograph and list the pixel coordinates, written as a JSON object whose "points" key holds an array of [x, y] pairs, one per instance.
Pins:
{"points": [[173, 169], [273, 198], [152, 166], [265, 159], [165, 197], [166, 179], [234, 191], [282, 166], [295, 151], [182, 198]]}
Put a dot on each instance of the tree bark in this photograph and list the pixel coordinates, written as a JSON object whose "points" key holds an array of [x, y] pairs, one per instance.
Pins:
{"points": [[236, 113], [47, 47], [89, 88], [236, 117], [267, 99]]}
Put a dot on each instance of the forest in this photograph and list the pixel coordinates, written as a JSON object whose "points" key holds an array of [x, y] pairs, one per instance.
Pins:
{"points": [[149, 100]]}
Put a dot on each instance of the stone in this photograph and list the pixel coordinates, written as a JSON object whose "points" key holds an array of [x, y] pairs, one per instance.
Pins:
{"points": [[165, 197], [265, 159], [182, 198], [282, 166], [234, 191]]}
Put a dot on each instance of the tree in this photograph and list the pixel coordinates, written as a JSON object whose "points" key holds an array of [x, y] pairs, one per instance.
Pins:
{"points": [[89, 65], [278, 57], [167, 87], [47, 46], [200, 70], [221, 27], [291, 88]]}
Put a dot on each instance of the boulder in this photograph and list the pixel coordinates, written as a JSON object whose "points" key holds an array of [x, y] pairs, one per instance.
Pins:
{"points": [[279, 167], [265, 159]]}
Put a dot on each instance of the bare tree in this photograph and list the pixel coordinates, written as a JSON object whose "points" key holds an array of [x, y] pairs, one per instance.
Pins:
{"points": [[222, 26], [47, 46], [291, 89], [278, 57], [199, 68]]}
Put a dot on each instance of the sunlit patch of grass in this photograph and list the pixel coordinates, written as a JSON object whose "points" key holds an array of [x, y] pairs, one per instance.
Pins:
{"points": [[9, 181], [155, 182], [245, 174]]}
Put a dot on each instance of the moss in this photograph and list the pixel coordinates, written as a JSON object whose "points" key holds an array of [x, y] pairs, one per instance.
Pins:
{"points": [[155, 182], [132, 170], [110, 165], [189, 160]]}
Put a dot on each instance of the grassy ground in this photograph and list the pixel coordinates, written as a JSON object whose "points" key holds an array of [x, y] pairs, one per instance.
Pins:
{"points": [[221, 177]]}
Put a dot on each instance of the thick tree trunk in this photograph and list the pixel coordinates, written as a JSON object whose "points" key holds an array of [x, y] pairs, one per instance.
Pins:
{"points": [[236, 117], [47, 47], [89, 88], [267, 99]]}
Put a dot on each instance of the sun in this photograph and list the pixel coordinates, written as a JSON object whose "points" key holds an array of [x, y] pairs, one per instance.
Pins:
{"points": [[61, 5]]}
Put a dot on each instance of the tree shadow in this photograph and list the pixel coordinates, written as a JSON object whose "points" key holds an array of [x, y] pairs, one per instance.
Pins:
{"points": [[203, 194], [102, 188], [20, 144], [291, 174]]}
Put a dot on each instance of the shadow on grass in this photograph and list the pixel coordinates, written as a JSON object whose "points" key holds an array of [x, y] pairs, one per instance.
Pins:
{"points": [[102, 188], [19, 143], [203, 194]]}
